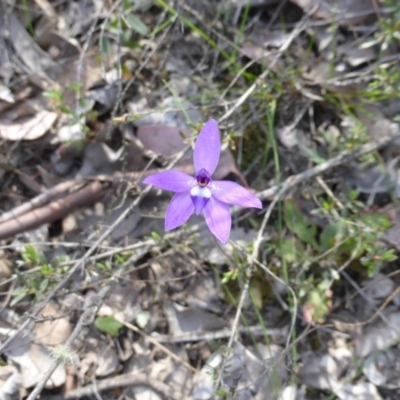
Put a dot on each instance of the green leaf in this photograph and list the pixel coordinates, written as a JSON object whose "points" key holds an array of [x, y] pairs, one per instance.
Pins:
{"points": [[18, 295], [329, 236], [317, 305], [230, 276], [136, 24], [156, 236], [313, 155], [299, 223], [46, 269], [108, 325], [292, 250], [105, 46], [30, 253], [43, 285]]}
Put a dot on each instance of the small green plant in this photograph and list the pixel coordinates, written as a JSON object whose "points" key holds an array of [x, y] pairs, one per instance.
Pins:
{"points": [[58, 95], [124, 25], [64, 354], [61, 99], [35, 274], [350, 239], [388, 31]]}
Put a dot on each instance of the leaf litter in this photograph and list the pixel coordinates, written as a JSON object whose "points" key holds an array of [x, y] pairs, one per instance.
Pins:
{"points": [[84, 102]]}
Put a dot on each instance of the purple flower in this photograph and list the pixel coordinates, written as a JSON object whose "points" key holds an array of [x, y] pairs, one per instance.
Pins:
{"points": [[201, 193]]}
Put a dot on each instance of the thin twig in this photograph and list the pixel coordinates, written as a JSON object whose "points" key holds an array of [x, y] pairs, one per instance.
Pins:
{"points": [[253, 261], [341, 159], [86, 318], [156, 343], [221, 334], [296, 31], [130, 379], [79, 264]]}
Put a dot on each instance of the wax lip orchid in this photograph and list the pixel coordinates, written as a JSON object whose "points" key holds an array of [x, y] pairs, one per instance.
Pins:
{"points": [[201, 193]]}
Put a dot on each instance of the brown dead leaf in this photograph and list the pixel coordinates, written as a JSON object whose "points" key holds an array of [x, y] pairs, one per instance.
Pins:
{"points": [[183, 320], [163, 140], [320, 371], [64, 158], [359, 391], [167, 141], [100, 159], [10, 382], [53, 332], [356, 55], [34, 360], [379, 336], [28, 128], [204, 293], [29, 52], [107, 361], [6, 95]]}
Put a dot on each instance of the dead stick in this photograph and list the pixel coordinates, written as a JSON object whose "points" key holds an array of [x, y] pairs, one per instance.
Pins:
{"points": [[63, 188], [40, 200], [53, 211]]}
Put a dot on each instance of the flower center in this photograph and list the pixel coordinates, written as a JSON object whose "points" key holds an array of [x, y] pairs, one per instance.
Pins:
{"points": [[203, 178], [201, 193]]}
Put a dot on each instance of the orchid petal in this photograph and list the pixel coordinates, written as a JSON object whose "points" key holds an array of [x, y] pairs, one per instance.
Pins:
{"points": [[218, 219], [200, 197], [175, 181], [199, 203], [232, 193], [207, 148], [179, 210]]}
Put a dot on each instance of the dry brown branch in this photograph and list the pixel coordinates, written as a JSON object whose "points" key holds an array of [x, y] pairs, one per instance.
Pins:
{"points": [[53, 211], [58, 202], [40, 200]]}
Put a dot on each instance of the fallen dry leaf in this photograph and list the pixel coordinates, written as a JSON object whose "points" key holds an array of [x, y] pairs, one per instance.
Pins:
{"points": [[359, 391], [183, 320], [34, 360], [6, 95], [379, 336], [100, 159], [53, 331], [167, 141], [320, 371], [163, 140], [28, 128], [10, 382]]}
